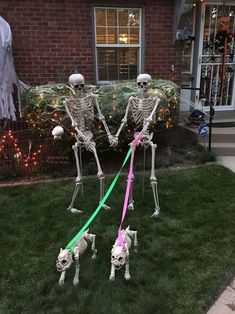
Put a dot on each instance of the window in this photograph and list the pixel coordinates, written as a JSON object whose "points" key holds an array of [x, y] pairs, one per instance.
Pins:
{"points": [[117, 43], [187, 53]]}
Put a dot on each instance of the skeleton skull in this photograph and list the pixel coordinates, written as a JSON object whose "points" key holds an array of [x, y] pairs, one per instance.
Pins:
{"points": [[118, 258], [223, 23], [64, 260], [143, 82], [77, 81], [57, 132]]}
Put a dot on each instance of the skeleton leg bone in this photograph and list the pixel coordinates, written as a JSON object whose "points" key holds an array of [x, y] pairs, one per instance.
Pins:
{"points": [[101, 177], [153, 181], [92, 237], [133, 235], [77, 267], [78, 182], [127, 275], [112, 273], [62, 278]]}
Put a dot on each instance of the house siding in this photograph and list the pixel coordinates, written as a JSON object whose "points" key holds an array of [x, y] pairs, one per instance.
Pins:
{"points": [[51, 39]]}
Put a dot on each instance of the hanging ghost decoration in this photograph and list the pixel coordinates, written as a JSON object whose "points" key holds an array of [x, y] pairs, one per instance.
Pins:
{"points": [[7, 73]]}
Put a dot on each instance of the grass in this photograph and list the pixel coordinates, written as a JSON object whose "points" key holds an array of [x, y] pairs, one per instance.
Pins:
{"points": [[186, 256]]}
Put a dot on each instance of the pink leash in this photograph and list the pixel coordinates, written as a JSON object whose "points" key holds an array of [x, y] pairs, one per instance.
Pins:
{"points": [[128, 187]]}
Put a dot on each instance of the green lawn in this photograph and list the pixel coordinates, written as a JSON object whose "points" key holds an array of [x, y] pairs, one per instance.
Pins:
{"points": [[186, 255]]}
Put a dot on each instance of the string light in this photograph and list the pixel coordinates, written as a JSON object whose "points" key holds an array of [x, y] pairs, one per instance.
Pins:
{"points": [[8, 138]]}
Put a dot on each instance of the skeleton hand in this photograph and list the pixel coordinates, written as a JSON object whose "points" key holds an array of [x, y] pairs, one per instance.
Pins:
{"points": [[89, 145], [149, 119], [113, 140]]}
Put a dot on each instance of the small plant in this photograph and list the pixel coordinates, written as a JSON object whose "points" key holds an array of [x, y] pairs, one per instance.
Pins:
{"points": [[205, 156]]}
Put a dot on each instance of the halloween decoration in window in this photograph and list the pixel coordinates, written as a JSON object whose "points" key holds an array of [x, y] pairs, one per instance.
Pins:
{"points": [[217, 63]]}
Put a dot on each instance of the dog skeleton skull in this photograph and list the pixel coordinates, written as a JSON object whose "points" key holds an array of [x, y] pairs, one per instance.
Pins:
{"points": [[118, 258], [64, 260]]}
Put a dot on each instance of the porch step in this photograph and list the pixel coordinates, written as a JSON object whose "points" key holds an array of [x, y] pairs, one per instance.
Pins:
{"points": [[223, 135], [223, 138], [223, 149], [222, 141]]}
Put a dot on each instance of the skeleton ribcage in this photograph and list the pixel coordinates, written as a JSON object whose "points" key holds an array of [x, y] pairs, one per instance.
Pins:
{"points": [[81, 109], [141, 109]]}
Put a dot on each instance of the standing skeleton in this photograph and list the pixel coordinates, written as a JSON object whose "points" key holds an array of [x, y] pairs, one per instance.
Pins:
{"points": [[143, 112], [79, 108]]}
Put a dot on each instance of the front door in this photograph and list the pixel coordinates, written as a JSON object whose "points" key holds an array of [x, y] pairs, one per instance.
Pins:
{"points": [[217, 58]]}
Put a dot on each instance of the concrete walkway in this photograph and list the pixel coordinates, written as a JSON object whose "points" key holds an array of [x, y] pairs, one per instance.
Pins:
{"points": [[225, 304], [226, 301], [227, 161]]}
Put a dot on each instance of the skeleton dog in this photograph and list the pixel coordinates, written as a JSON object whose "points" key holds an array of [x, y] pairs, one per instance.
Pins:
{"points": [[120, 254], [66, 257]]}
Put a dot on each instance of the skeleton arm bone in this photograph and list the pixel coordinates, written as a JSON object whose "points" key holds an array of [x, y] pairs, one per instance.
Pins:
{"points": [[124, 120], [101, 116]]}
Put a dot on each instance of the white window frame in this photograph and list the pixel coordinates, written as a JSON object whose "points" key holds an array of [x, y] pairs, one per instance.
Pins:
{"points": [[192, 47], [138, 46]]}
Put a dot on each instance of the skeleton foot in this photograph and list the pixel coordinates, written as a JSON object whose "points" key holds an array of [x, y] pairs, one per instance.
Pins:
{"points": [[131, 206], [74, 210], [106, 207], [94, 254], [111, 278], [76, 281], [127, 276], [61, 282], [156, 212]]}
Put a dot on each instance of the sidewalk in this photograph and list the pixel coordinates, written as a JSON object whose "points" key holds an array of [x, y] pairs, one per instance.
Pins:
{"points": [[225, 304]]}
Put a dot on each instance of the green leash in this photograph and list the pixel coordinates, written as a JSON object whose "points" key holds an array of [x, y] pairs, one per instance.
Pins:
{"points": [[89, 221]]}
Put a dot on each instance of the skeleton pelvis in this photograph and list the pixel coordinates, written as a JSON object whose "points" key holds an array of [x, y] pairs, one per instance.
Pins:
{"points": [[88, 134], [146, 138]]}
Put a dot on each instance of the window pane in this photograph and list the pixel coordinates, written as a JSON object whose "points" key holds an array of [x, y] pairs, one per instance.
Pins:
{"points": [[134, 35], [102, 73], [111, 17], [123, 36], [102, 56], [134, 17], [112, 35], [111, 56], [123, 17], [112, 72], [132, 57], [132, 72], [101, 35], [117, 63], [100, 17]]}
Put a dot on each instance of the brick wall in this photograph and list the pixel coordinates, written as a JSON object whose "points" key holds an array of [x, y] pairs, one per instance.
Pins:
{"points": [[52, 38]]}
